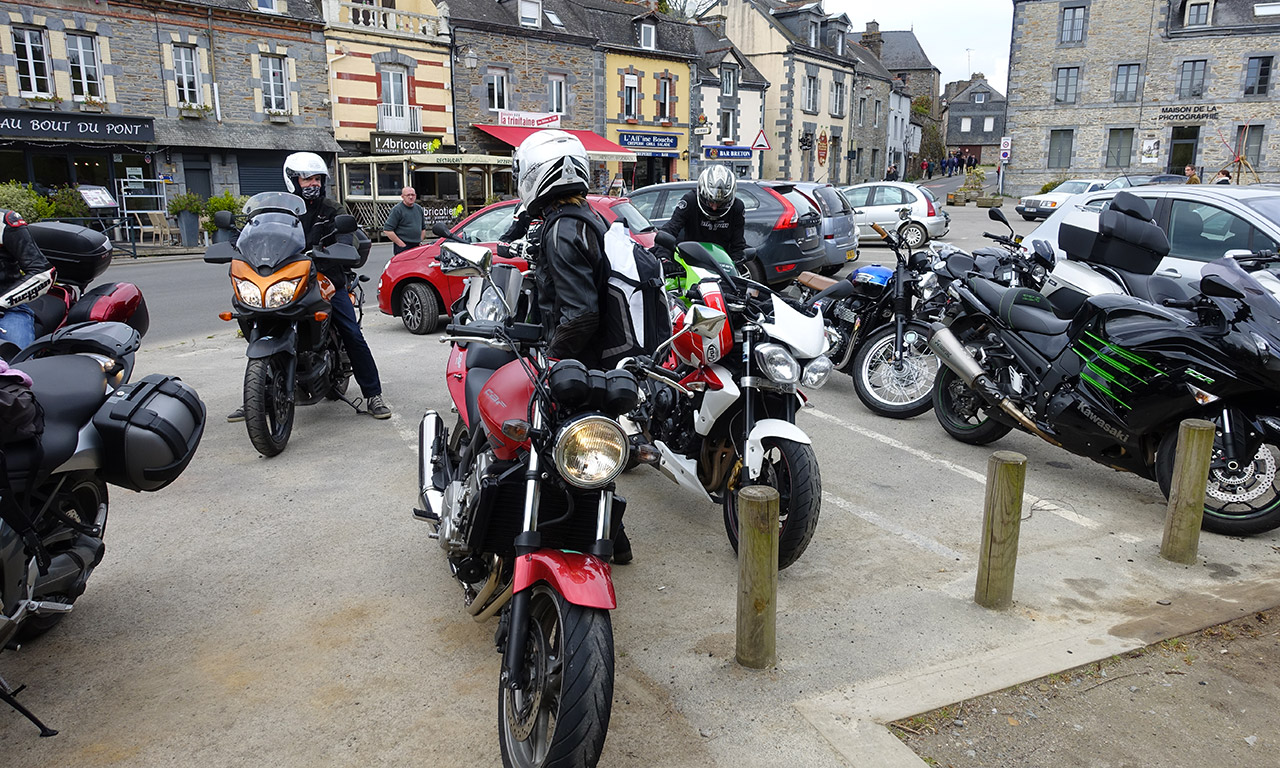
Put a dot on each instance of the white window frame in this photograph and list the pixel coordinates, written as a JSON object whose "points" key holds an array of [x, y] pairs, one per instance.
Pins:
{"points": [[815, 33], [193, 93], [862, 111], [988, 124], [875, 117], [979, 98], [275, 93], [34, 44], [389, 77], [840, 44], [966, 124], [837, 99], [648, 35], [557, 94], [631, 97], [812, 93], [728, 81], [89, 82], [495, 86], [530, 12], [663, 100], [726, 125], [268, 6]]}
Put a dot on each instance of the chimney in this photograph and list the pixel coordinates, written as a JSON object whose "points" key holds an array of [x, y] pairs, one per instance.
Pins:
{"points": [[715, 24], [871, 39]]}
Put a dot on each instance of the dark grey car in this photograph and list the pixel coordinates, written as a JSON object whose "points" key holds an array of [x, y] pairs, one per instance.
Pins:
{"points": [[839, 230], [783, 225]]}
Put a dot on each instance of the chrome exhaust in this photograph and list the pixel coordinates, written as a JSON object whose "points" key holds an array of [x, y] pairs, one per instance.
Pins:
{"points": [[431, 441]]}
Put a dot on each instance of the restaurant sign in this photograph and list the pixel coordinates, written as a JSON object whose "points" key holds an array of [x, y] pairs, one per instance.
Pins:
{"points": [[663, 142], [402, 144], [727, 153], [529, 119], [40, 124]]}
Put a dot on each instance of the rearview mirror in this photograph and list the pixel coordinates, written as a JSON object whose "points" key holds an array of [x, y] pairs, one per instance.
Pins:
{"points": [[705, 321], [345, 224], [440, 229], [666, 240], [224, 220], [1044, 254], [995, 214], [462, 260]]}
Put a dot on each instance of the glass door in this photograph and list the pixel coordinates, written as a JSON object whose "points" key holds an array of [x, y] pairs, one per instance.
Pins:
{"points": [[1182, 150]]}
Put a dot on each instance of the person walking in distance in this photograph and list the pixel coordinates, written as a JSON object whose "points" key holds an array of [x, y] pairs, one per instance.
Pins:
{"points": [[406, 225], [1192, 176]]}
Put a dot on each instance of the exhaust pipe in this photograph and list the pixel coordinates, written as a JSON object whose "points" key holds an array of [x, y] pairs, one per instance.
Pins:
{"points": [[431, 444], [953, 355]]}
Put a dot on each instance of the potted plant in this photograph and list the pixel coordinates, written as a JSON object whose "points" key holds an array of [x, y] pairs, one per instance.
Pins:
{"points": [[187, 207], [42, 102], [223, 202], [91, 104], [188, 109], [279, 115]]}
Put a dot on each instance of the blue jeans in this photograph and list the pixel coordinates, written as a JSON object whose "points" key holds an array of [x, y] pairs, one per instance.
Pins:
{"points": [[17, 326], [362, 365]]}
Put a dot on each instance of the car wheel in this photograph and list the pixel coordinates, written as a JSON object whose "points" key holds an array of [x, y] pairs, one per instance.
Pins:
{"points": [[419, 308], [914, 235], [755, 271]]}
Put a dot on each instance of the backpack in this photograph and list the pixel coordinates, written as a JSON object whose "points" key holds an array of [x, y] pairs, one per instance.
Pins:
{"points": [[21, 416], [634, 311]]}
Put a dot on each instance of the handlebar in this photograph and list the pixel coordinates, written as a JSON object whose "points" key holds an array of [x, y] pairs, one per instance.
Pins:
{"points": [[880, 231]]}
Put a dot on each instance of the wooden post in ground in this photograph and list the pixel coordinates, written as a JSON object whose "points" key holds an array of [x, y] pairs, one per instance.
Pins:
{"points": [[1001, 521], [757, 576], [1186, 496]]}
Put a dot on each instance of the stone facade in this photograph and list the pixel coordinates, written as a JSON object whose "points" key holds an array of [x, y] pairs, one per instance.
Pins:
{"points": [[1186, 102], [970, 106]]}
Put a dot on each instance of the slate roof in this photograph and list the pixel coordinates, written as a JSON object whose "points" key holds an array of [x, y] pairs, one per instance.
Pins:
{"points": [[304, 10], [978, 85], [1234, 14], [715, 49], [902, 51], [613, 24], [506, 13], [236, 135], [868, 64]]}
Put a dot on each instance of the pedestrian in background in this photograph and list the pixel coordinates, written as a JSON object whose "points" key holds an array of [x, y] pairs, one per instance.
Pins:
{"points": [[1192, 178], [1223, 177], [406, 225]]}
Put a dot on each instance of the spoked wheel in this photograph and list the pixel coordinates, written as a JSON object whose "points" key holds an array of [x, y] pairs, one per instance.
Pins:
{"points": [[1239, 500], [897, 391], [268, 405], [962, 412], [560, 714], [419, 308], [792, 469]]}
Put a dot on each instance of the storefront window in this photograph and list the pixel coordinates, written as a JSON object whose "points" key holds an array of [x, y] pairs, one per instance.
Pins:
{"points": [[390, 179], [475, 188], [440, 183], [359, 180], [92, 169], [50, 172], [13, 167], [502, 184]]}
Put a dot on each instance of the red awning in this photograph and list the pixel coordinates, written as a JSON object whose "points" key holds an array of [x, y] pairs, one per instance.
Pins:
{"points": [[598, 147]]}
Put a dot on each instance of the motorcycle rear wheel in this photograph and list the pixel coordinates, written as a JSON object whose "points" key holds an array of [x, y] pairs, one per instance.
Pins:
{"points": [[1239, 503], [268, 406], [962, 412], [792, 469], [560, 717], [896, 394], [340, 376]]}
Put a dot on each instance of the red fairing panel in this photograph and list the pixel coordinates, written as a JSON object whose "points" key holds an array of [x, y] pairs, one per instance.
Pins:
{"points": [[581, 579], [455, 375], [117, 306], [505, 396]]}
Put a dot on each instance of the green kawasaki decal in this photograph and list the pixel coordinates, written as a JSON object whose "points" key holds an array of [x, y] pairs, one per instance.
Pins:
{"points": [[1111, 368], [1193, 373]]}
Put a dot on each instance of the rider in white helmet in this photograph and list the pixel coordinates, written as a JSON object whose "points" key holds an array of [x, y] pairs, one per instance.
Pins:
{"points": [[712, 213]]}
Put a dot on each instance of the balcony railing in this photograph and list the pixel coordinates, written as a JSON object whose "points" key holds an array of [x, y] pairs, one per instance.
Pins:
{"points": [[399, 118], [377, 19]]}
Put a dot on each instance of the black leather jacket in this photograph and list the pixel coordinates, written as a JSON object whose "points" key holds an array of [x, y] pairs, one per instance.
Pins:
{"points": [[19, 255], [568, 259], [688, 223], [318, 223]]}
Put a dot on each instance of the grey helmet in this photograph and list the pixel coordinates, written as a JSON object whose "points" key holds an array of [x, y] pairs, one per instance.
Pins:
{"points": [[716, 186], [303, 165], [549, 164]]}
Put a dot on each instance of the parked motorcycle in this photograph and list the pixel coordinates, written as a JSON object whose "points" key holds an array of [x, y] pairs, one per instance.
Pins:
{"points": [[99, 429], [521, 493], [1113, 382], [281, 300], [720, 421]]}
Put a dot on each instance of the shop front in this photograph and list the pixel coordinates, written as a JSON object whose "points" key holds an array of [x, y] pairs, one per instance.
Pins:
{"points": [[657, 157], [602, 152], [371, 185], [738, 159]]}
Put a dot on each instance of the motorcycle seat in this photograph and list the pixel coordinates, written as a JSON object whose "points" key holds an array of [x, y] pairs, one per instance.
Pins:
{"points": [[50, 311], [815, 281], [481, 356], [1022, 308], [70, 389]]}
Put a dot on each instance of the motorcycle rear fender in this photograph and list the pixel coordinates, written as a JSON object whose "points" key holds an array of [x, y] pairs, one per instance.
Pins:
{"points": [[583, 580], [680, 469], [715, 402], [266, 346], [769, 428]]}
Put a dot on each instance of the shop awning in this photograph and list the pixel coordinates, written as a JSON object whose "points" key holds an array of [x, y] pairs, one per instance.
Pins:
{"points": [[598, 147]]}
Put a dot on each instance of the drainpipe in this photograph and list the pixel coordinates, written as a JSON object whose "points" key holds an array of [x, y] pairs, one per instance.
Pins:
{"points": [[213, 69]]}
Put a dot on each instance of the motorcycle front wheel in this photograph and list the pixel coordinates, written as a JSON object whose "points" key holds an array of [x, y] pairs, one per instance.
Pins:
{"points": [[962, 412], [896, 392], [559, 716], [791, 468], [1239, 502], [268, 405]]}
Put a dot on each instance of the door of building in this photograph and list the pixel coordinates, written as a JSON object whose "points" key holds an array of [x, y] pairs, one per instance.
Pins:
{"points": [[198, 173], [1182, 149]]}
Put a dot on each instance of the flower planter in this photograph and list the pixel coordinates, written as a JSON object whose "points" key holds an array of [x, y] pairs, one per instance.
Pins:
{"points": [[990, 202], [279, 118], [38, 104], [194, 114], [189, 228], [87, 107]]}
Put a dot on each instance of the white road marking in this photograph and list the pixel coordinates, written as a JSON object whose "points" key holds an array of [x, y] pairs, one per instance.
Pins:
{"points": [[924, 542]]}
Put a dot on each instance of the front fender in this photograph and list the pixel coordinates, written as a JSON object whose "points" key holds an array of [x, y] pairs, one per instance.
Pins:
{"points": [[769, 428], [581, 579], [266, 346]]}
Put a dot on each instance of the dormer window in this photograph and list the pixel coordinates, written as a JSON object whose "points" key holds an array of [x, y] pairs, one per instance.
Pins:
{"points": [[728, 81], [531, 13], [267, 5], [979, 98], [814, 33], [555, 20], [648, 35], [1198, 15], [840, 44]]}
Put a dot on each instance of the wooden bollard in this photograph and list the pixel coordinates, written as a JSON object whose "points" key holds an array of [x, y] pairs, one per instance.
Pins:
{"points": [[757, 576], [1001, 522], [1186, 497]]}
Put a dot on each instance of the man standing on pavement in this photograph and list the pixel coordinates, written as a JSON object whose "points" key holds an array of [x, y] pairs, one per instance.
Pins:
{"points": [[406, 225]]}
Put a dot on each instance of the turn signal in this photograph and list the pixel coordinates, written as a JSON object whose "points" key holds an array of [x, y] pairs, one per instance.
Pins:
{"points": [[647, 454], [516, 429], [322, 316], [224, 315]]}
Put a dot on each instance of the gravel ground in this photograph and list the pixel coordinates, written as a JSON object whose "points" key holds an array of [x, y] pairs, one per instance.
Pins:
{"points": [[1208, 698]]}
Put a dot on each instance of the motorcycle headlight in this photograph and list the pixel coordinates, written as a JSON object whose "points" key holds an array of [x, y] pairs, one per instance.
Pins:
{"points": [[928, 285], [490, 306], [591, 452], [248, 292], [817, 371], [777, 363], [1264, 349], [282, 292]]}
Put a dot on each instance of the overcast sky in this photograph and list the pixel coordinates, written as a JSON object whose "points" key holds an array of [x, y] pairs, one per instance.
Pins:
{"points": [[959, 36]]}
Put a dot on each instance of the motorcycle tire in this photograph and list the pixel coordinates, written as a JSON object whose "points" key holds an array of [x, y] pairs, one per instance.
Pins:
{"points": [[560, 716], [340, 378], [419, 308], [962, 412], [1235, 504], [792, 469], [268, 406], [892, 393]]}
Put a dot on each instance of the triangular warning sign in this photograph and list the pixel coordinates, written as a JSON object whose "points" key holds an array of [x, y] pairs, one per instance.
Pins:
{"points": [[761, 142]]}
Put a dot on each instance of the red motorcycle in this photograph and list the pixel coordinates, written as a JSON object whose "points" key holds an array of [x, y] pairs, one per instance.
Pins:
{"points": [[80, 255]]}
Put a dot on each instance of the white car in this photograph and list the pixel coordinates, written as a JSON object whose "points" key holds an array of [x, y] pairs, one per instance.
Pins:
{"points": [[880, 202], [1040, 206]]}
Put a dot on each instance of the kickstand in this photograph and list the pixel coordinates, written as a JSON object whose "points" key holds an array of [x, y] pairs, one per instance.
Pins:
{"points": [[10, 696], [355, 403]]}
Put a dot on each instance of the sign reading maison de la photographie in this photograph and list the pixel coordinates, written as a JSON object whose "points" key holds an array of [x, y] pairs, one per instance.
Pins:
{"points": [[1188, 112], [39, 124]]}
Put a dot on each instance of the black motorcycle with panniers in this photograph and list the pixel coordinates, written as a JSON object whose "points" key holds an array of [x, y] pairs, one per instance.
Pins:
{"points": [[281, 298], [1113, 382], [88, 427]]}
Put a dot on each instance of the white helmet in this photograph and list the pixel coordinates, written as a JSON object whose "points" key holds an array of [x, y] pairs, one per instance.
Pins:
{"points": [[302, 165], [548, 164], [716, 188]]}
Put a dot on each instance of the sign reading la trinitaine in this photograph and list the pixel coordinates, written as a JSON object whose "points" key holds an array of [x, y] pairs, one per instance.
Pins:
{"points": [[67, 125]]}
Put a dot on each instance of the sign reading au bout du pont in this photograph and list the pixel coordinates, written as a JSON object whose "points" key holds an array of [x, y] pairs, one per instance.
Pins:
{"points": [[71, 125]]}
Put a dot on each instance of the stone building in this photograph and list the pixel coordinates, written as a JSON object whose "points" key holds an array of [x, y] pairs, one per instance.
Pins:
{"points": [[1103, 87], [727, 104], [151, 98], [865, 156], [974, 118], [902, 55]]}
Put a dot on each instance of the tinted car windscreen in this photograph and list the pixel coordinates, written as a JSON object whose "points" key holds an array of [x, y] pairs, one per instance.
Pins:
{"points": [[833, 201], [1269, 207], [804, 206], [636, 220]]}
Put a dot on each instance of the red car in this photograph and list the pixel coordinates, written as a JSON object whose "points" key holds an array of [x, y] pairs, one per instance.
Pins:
{"points": [[413, 287]]}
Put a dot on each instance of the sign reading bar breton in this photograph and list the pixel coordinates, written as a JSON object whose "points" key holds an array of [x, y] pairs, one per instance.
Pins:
{"points": [[727, 153], [529, 119], [665, 142], [401, 143], [39, 124]]}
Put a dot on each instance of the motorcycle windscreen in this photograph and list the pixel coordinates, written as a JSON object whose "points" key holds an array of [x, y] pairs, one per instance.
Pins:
{"points": [[270, 239]]}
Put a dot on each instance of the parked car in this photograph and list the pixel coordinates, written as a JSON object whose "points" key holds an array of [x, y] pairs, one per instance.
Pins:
{"points": [[783, 225], [879, 202], [1202, 222], [839, 230], [413, 288], [1040, 206], [1142, 180]]}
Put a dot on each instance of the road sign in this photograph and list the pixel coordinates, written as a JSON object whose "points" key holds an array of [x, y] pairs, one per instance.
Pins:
{"points": [[1006, 142], [1004, 154], [761, 142]]}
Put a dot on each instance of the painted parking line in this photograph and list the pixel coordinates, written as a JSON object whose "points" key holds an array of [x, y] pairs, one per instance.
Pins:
{"points": [[884, 523]]}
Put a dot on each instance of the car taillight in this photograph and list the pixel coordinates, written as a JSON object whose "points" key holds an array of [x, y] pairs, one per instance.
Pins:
{"points": [[929, 209], [789, 219]]}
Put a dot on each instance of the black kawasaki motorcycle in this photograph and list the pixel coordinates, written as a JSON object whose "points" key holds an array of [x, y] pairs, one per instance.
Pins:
{"points": [[1113, 382]]}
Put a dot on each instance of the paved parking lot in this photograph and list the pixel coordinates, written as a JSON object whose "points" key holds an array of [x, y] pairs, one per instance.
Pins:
{"points": [[290, 612]]}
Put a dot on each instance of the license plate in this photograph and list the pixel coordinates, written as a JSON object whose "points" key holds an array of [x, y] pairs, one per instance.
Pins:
{"points": [[850, 255], [811, 232], [1029, 208]]}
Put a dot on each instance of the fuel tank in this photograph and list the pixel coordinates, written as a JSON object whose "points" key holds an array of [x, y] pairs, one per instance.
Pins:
{"points": [[505, 396]]}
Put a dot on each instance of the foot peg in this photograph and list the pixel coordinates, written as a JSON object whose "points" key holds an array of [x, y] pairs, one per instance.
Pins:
{"points": [[428, 516], [47, 608]]}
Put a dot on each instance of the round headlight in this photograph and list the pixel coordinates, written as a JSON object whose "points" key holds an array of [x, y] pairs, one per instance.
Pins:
{"points": [[817, 371], [777, 363], [591, 452], [249, 293], [282, 292], [490, 306]]}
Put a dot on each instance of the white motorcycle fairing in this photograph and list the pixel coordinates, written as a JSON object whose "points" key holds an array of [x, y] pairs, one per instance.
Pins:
{"points": [[806, 335], [715, 401], [680, 469], [769, 428]]}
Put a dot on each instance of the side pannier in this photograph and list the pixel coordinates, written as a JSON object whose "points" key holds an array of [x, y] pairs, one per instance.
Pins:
{"points": [[150, 430]]}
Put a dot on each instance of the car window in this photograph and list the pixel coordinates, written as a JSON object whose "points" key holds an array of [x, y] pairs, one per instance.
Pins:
{"points": [[890, 196], [644, 202], [1204, 232], [928, 193], [1269, 207], [486, 227], [833, 203], [1073, 187], [635, 220], [858, 195], [668, 205], [749, 200], [804, 206]]}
